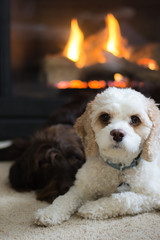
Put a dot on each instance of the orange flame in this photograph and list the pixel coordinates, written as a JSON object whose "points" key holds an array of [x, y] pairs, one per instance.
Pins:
{"points": [[78, 51], [115, 44], [148, 63], [114, 35], [74, 44]]}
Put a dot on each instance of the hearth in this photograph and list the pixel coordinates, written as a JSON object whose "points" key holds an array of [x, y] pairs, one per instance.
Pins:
{"points": [[37, 75]]}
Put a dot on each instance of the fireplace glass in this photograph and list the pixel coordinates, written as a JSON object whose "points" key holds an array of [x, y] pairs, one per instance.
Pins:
{"points": [[39, 31], [43, 77]]}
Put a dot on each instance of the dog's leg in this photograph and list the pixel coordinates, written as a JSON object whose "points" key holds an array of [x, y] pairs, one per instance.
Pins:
{"points": [[119, 204], [61, 209]]}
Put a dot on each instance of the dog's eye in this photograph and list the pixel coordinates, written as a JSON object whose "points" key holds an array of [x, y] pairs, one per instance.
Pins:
{"points": [[135, 121], [105, 117]]}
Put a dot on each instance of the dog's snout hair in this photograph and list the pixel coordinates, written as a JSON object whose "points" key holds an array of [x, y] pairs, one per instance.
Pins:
{"points": [[118, 134]]}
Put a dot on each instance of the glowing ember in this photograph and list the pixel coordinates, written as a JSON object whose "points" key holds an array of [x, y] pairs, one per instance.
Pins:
{"points": [[117, 84], [71, 84], [74, 44], [118, 77], [148, 63], [97, 84], [63, 85], [94, 84], [120, 80], [80, 84]]}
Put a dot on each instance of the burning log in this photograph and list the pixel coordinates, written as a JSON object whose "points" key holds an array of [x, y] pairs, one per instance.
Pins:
{"points": [[100, 56], [59, 68], [108, 39], [150, 51], [125, 67]]}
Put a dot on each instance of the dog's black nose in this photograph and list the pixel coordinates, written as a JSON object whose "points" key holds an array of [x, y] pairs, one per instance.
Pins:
{"points": [[117, 134]]}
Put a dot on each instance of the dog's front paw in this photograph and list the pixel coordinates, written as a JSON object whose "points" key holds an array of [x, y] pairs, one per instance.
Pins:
{"points": [[49, 217], [92, 210]]}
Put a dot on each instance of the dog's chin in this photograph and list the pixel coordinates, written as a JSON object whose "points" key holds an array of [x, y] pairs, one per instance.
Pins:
{"points": [[118, 153], [117, 146]]}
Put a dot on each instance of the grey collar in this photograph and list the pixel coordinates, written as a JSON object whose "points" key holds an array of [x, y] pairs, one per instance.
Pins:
{"points": [[120, 166]]}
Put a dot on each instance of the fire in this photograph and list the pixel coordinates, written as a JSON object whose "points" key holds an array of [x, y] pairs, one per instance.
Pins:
{"points": [[148, 63], [118, 77], [81, 84], [116, 44], [71, 84], [97, 84], [114, 35], [78, 84], [89, 51], [120, 80], [74, 44]]}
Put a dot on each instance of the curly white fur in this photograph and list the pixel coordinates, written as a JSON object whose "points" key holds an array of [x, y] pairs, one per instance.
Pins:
{"points": [[94, 194]]}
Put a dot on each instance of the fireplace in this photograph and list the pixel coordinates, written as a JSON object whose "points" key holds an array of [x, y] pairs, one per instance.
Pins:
{"points": [[36, 76]]}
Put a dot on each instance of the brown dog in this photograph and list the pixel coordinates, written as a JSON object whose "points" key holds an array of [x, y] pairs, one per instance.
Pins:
{"points": [[49, 160], [49, 163]]}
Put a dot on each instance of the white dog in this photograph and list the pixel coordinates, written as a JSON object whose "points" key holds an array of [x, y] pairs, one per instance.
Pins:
{"points": [[120, 131]]}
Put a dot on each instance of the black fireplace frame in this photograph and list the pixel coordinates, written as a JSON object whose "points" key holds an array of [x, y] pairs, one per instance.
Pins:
{"points": [[19, 116]]}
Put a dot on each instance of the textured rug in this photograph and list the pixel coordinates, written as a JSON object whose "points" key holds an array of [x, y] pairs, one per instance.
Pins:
{"points": [[16, 220]]}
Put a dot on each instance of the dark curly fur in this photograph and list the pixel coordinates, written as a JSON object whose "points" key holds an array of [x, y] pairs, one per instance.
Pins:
{"points": [[48, 161]]}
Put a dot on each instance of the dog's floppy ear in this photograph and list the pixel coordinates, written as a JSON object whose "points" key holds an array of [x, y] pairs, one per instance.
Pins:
{"points": [[152, 145], [85, 132]]}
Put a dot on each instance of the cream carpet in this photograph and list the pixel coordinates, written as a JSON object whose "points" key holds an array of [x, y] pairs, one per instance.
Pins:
{"points": [[16, 220]]}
